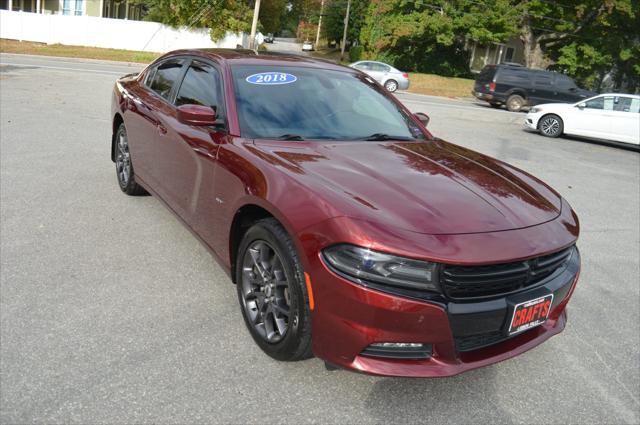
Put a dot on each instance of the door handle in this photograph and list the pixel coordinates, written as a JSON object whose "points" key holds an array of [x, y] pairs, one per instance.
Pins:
{"points": [[162, 129]]}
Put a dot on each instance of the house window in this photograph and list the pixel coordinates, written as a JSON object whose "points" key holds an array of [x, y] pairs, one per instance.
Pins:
{"points": [[78, 11], [508, 56]]}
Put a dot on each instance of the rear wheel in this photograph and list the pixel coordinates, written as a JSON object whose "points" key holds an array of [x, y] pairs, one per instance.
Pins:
{"points": [[391, 85], [551, 125], [272, 292], [124, 166], [515, 103]]}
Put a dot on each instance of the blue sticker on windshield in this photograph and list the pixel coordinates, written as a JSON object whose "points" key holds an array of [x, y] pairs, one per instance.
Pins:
{"points": [[271, 78]]}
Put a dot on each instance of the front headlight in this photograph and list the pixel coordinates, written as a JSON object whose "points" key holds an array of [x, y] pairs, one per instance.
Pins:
{"points": [[535, 110], [363, 265]]}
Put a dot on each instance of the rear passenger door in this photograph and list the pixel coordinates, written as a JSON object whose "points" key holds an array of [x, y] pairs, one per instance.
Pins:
{"points": [[542, 90], [147, 130], [381, 72]]}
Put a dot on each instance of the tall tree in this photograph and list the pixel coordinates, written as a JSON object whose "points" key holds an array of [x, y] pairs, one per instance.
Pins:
{"points": [[271, 13], [333, 23], [219, 16], [430, 36]]}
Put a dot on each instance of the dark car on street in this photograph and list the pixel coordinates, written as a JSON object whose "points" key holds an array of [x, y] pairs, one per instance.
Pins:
{"points": [[517, 87], [350, 232], [269, 38]]}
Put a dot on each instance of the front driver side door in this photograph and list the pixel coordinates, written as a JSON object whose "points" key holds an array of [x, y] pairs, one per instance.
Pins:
{"points": [[593, 120], [189, 152]]}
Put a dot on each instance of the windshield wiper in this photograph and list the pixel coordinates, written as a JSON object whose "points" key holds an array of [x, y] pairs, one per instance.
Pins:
{"points": [[385, 137], [290, 137]]}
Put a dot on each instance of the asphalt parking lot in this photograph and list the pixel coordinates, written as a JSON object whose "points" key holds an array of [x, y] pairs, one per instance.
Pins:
{"points": [[111, 311]]}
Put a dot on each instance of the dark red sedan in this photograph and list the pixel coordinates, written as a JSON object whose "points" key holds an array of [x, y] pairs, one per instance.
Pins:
{"points": [[350, 231]]}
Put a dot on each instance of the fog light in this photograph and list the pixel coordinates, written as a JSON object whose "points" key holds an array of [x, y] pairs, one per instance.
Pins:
{"points": [[398, 350]]}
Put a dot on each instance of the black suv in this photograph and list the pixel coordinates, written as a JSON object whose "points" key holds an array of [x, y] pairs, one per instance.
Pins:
{"points": [[517, 87]]}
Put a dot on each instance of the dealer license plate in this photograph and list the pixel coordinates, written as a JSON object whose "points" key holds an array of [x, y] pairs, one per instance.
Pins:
{"points": [[530, 314]]}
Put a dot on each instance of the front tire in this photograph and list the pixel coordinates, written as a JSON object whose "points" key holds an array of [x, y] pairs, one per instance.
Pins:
{"points": [[391, 85], [272, 292], [551, 125], [124, 165]]}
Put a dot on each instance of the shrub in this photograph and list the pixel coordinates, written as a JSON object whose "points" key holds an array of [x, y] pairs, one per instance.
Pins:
{"points": [[355, 53]]}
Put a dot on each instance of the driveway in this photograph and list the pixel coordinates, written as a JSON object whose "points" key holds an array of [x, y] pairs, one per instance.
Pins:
{"points": [[111, 311]]}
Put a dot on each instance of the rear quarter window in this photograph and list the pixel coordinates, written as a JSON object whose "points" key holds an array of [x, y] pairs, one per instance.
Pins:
{"points": [[487, 73]]}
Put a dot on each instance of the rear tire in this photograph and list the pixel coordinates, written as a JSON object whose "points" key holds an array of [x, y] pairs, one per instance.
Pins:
{"points": [[551, 125], [272, 292], [515, 103], [124, 165], [391, 85]]}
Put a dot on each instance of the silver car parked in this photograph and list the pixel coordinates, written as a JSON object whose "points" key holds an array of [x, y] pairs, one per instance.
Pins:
{"points": [[391, 78]]}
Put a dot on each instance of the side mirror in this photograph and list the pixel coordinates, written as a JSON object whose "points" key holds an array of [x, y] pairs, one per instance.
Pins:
{"points": [[196, 115], [573, 89], [423, 118], [582, 105]]}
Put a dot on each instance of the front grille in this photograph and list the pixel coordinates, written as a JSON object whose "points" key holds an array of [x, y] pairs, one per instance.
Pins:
{"points": [[464, 282], [473, 342]]}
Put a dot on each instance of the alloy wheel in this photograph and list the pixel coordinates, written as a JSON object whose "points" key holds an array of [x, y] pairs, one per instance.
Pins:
{"points": [[391, 86], [550, 126], [265, 291], [123, 159]]}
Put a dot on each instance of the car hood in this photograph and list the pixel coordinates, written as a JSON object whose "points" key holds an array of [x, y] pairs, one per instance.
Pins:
{"points": [[425, 187], [554, 106]]}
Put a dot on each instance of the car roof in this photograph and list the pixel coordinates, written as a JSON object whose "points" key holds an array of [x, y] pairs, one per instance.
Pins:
{"points": [[636, 96], [251, 57]]}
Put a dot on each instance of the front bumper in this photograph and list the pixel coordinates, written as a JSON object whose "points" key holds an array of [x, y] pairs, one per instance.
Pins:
{"points": [[531, 120], [349, 317]]}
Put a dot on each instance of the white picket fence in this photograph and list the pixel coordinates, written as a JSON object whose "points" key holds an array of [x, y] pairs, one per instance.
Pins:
{"points": [[108, 33]]}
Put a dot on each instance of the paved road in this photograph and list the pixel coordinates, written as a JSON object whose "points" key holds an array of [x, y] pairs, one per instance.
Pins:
{"points": [[286, 45], [110, 311]]}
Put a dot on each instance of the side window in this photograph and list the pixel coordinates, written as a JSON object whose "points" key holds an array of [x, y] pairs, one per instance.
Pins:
{"points": [[542, 80], [597, 103], [164, 77], [378, 67], [365, 66], [201, 86], [608, 103], [564, 83], [625, 104], [514, 76]]}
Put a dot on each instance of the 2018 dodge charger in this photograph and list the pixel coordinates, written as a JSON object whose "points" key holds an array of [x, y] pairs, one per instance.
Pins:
{"points": [[349, 230]]}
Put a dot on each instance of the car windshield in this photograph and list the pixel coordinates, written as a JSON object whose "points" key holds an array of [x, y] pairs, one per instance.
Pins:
{"points": [[298, 103]]}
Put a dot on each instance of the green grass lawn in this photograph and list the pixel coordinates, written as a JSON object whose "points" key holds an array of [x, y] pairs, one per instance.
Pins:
{"points": [[30, 48]]}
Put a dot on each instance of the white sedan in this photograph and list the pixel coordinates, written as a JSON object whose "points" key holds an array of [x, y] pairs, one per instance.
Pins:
{"points": [[613, 116]]}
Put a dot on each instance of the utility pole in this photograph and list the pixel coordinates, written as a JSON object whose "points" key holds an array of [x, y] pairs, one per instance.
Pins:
{"points": [[254, 25], [344, 34], [319, 24]]}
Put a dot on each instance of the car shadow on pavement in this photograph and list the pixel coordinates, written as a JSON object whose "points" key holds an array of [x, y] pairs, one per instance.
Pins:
{"points": [[466, 398]]}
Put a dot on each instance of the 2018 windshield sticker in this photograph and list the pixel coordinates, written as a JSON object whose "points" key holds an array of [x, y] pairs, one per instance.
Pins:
{"points": [[271, 78]]}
